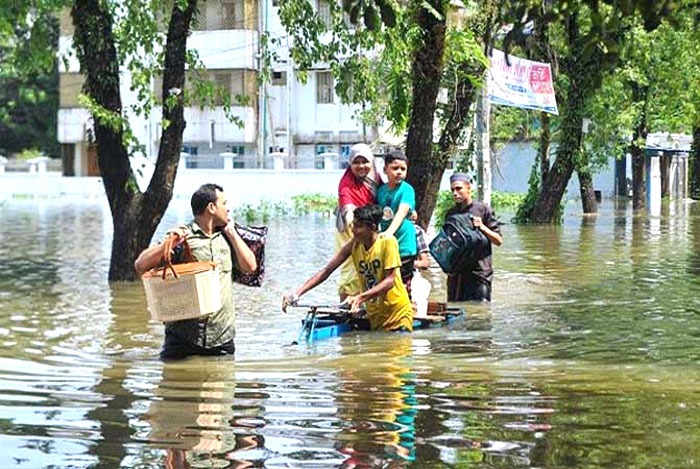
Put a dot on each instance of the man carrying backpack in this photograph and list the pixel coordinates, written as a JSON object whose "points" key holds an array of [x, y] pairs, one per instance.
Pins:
{"points": [[472, 280]]}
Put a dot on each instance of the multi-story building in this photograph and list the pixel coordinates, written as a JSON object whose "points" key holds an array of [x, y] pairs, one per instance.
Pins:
{"points": [[299, 125]]}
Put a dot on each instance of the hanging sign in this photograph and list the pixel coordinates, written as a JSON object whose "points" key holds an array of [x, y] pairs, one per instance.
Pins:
{"points": [[523, 83]]}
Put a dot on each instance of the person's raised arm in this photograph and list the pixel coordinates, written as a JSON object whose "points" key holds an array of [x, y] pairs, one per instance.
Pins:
{"points": [[320, 276], [245, 259], [152, 256], [399, 217], [494, 236], [349, 217], [149, 258], [382, 287]]}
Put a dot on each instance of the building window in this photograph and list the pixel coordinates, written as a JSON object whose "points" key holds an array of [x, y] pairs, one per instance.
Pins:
{"points": [[232, 14], [324, 87], [320, 157], [190, 156], [324, 12], [221, 15], [237, 149], [239, 85], [344, 158], [279, 78], [189, 149]]}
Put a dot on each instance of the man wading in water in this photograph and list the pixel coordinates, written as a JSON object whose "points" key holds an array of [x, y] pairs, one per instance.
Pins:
{"points": [[208, 236]]}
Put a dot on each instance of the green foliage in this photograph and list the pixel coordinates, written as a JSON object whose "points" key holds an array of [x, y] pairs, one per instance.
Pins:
{"points": [[500, 201], [647, 92], [442, 205], [314, 203], [263, 212], [527, 205], [506, 201], [303, 204], [28, 91], [510, 124], [28, 154], [586, 41], [371, 65]]}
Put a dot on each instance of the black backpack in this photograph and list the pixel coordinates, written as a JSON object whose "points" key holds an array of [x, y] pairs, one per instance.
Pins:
{"points": [[458, 244]]}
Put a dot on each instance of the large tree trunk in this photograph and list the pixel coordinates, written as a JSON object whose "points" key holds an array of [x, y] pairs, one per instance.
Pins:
{"points": [[546, 208], [426, 172], [585, 71], [588, 201], [135, 216], [694, 168]]}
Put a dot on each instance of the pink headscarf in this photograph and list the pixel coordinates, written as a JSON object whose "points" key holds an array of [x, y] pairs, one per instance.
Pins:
{"points": [[354, 192]]}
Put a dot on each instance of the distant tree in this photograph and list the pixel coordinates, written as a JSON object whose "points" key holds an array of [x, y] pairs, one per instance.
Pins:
{"points": [[591, 36], [653, 90], [28, 98]]}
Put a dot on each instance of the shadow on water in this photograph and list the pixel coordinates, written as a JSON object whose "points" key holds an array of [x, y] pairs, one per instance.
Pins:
{"points": [[586, 358]]}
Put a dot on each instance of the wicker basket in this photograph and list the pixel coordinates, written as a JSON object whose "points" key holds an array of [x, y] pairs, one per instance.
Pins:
{"points": [[193, 293]]}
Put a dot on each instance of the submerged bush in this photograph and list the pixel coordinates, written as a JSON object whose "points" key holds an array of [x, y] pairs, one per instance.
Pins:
{"points": [[322, 204], [500, 201], [303, 204], [314, 203]]}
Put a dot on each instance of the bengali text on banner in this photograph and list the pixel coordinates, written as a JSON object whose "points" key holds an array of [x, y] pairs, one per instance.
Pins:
{"points": [[520, 83]]}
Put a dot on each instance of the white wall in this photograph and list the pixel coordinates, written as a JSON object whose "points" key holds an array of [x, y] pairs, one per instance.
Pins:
{"points": [[226, 49], [72, 123], [199, 125], [248, 186]]}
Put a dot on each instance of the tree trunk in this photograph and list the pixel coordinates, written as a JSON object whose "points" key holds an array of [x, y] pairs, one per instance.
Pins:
{"points": [[621, 176], [695, 163], [547, 205], [425, 172], [639, 166], [544, 146], [588, 200], [639, 137], [585, 72], [639, 188], [135, 215]]}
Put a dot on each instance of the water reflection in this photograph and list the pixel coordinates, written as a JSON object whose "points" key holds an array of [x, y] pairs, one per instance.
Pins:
{"points": [[378, 405], [587, 357], [190, 414]]}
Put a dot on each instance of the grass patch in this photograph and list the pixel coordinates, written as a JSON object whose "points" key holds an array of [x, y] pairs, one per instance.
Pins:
{"points": [[299, 205]]}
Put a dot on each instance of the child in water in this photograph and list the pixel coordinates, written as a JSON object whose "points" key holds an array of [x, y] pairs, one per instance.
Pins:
{"points": [[377, 262]]}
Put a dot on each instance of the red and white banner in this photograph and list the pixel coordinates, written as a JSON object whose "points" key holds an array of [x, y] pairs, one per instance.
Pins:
{"points": [[523, 83]]}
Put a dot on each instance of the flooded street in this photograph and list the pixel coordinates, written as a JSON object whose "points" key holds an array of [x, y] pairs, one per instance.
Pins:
{"points": [[587, 357]]}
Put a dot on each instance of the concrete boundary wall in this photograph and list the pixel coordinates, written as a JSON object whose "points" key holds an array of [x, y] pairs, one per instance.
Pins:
{"points": [[242, 186]]}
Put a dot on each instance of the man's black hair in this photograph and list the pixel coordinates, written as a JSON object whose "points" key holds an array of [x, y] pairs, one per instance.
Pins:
{"points": [[203, 196], [369, 214], [394, 154]]}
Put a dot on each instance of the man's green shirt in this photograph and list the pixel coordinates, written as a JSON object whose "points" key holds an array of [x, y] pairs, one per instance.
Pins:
{"points": [[216, 328]]}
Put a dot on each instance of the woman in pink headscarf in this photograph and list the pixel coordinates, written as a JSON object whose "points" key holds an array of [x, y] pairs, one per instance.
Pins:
{"points": [[357, 188]]}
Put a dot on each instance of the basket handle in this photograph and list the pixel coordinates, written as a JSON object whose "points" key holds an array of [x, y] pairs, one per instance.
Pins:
{"points": [[171, 241]]}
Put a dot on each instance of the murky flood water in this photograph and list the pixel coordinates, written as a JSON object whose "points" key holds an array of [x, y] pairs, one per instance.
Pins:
{"points": [[587, 357]]}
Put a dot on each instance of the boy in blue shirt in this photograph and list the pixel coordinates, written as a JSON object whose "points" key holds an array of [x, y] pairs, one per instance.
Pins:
{"points": [[397, 198]]}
